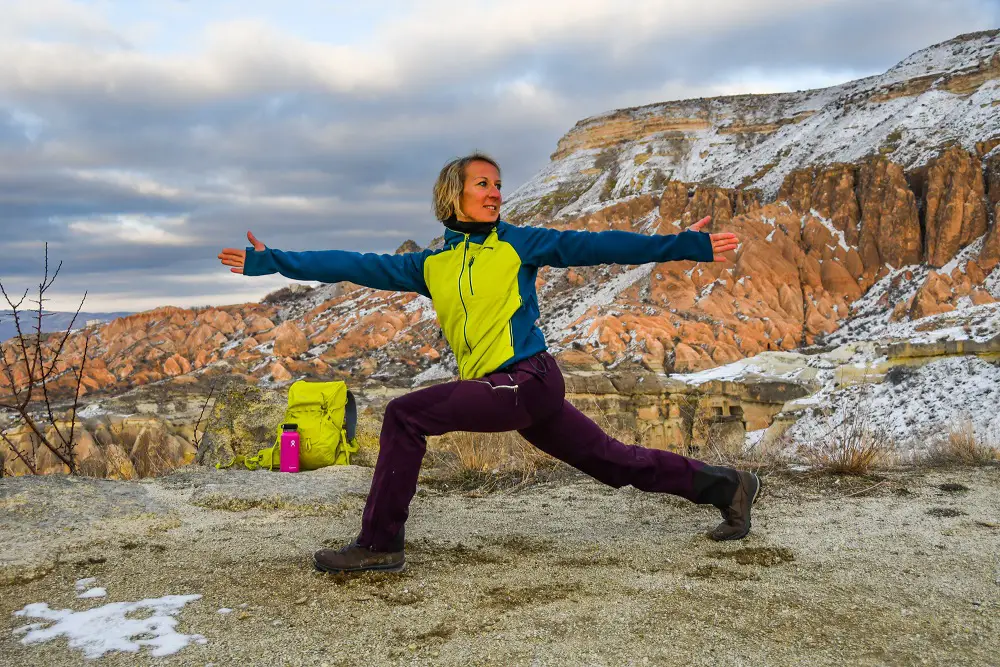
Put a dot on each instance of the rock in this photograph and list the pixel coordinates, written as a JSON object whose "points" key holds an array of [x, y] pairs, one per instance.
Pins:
{"points": [[407, 246], [689, 359], [279, 373], [176, 365], [673, 203], [289, 341], [838, 280], [828, 190], [932, 297], [254, 323], [238, 490], [890, 227], [955, 204], [980, 296]]}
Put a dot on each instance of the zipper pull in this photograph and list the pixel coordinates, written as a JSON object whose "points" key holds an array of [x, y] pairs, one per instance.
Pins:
{"points": [[471, 261]]}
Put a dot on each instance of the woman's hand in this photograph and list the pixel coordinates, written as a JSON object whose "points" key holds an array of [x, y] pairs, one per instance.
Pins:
{"points": [[236, 258], [721, 243]]}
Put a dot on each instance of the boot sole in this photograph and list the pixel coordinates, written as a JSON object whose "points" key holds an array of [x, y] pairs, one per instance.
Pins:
{"points": [[756, 492], [374, 568]]}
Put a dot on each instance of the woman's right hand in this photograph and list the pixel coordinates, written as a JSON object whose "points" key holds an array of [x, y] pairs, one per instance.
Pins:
{"points": [[236, 257]]}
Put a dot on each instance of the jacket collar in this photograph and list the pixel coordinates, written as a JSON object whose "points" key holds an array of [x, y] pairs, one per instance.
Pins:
{"points": [[477, 234]]}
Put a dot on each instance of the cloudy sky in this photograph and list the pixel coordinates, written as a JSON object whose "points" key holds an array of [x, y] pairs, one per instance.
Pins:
{"points": [[139, 137]]}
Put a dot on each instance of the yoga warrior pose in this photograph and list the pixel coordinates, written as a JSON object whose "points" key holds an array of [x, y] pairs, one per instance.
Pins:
{"points": [[482, 285]]}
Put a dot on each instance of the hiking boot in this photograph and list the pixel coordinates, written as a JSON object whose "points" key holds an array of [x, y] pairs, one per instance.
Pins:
{"points": [[356, 558], [736, 516]]}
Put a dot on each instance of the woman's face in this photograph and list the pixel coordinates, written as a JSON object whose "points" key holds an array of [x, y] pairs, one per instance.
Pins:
{"points": [[481, 196]]}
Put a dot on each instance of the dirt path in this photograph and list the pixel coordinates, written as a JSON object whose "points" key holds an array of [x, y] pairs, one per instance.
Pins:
{"points": [[905, 573]]}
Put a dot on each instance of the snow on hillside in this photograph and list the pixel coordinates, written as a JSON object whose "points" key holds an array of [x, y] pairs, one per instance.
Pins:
{"points": [[916, 409]]}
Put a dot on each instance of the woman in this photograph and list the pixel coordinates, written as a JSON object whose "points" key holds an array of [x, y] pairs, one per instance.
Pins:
{"points": [[482, 285]]}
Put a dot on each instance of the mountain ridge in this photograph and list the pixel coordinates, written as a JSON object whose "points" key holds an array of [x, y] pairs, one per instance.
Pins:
{"points": [[750, 141]]}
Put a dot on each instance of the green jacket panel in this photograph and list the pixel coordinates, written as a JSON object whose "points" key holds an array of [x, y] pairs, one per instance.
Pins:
{"points": [[474, 290]]}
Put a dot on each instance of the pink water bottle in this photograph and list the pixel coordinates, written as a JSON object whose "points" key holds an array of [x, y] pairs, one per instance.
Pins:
{"points": [[289, 456]]}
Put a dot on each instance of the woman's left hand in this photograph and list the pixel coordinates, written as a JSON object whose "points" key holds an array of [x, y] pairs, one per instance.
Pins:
{"points": [[723, 242]]}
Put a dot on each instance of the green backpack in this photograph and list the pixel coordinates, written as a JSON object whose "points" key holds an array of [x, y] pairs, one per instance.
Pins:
{"points": [[327, 419]]}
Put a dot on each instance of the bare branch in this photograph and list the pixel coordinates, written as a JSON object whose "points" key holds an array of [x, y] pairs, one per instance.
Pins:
{"points": [[22, 457], [197, 440], [62, 343], [37, 374], [76, 404], [13, 306], [24, 346], [37, 361], [48, 410]]}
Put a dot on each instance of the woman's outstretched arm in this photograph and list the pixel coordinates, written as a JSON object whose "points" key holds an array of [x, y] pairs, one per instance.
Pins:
{"points": [[551, 247], [401, 273]]}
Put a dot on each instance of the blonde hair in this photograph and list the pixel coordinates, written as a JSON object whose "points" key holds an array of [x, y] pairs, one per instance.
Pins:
{"points": [[451, 183]]}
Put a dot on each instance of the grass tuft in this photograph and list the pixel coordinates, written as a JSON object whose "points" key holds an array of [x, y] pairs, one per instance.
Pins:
{"points": [[487, 462], [962, 447]]}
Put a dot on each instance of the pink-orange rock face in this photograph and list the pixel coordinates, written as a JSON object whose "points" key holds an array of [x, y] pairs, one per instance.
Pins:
{"points": [[279, 372], [254, 324], [933, 296], [176, 365], [955, 205], [890, 227], [830, 192], [673, 203], [289, 341]]}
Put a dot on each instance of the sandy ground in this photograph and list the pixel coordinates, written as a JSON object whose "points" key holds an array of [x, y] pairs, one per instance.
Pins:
{"points": [[901, 569]]}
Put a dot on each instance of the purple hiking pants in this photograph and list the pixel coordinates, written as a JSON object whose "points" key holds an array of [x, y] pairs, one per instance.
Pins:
{"points": [[528, 397]]}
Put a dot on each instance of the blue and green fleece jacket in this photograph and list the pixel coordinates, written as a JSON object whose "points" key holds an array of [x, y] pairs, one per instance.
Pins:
{"points": [[483, 285]]}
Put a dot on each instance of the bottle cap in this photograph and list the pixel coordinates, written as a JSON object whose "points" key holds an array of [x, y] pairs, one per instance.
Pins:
{"points": [[289, 427]]}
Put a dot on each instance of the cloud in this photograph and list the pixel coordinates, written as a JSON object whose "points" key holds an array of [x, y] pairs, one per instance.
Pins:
{"points": [[58, 20], [138, 157], [133, 229]]}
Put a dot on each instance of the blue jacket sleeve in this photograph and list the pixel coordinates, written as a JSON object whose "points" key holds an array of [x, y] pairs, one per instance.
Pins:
{"points": [[399, 273], [542, 246]]}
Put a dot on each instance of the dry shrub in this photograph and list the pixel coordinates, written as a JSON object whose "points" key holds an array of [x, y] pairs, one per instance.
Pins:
{"points": [[487, 462], [855, 446], [858, 443], [962, 447], [733, 451], [760, 457]]}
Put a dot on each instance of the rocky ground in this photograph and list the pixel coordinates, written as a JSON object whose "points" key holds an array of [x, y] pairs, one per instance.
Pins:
{"points": [[901, 569]]}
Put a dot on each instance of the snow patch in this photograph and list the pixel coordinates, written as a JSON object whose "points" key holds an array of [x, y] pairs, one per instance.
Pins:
{"points": [[93, 593], [92, 410], [83, 584], [112, 627], [837, 234]]}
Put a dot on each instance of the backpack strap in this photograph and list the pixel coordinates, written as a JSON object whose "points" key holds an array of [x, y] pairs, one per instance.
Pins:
{"points": [[351, 417], [263, 459]]}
